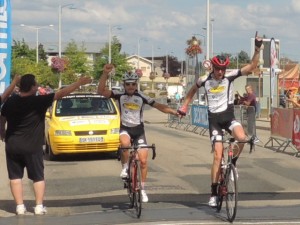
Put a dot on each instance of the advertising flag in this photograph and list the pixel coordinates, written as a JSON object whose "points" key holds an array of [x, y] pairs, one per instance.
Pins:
{"points": [[5, 44], [273, 68]]}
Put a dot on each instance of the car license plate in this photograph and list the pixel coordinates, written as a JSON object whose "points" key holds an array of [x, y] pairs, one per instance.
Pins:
{"points": [[90, 139]]}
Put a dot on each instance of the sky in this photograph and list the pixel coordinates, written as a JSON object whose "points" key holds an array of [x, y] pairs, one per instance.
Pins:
{"points": [[162, 26]]}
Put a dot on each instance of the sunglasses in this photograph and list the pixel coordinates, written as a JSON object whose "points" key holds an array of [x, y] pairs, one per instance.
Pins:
{"points": [[130, 84], [220, 68]]}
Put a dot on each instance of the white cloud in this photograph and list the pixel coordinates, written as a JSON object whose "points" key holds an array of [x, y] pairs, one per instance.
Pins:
{"points": [[167, 23], [295, 5]]}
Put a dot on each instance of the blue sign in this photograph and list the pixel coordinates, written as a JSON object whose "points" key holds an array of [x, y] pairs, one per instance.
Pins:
{"points": [[5, 44], [200, 116]]}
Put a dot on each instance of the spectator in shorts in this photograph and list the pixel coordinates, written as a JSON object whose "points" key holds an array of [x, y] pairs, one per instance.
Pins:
{"points": [[24, 137]]}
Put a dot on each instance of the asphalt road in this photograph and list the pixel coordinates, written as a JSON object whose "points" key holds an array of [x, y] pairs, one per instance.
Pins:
{"points": [[86, 189]]}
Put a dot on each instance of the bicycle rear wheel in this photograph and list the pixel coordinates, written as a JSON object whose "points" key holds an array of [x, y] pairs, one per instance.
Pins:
{"points": [[231, 197], [138, 188]]}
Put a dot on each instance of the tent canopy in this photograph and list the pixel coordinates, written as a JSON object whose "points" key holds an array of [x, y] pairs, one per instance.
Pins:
{"points": [[289, 79]]}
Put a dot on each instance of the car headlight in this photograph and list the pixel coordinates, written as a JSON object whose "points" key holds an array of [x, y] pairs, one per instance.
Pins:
{"points": [[62, 133], [115, 131]]}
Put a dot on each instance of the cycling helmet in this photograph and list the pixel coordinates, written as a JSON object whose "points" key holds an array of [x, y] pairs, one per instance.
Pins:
{"points": [[130, 77], [220, 61]]}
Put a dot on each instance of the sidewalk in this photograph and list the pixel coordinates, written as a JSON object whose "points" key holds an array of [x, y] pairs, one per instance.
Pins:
{"points": [[152, 115]]}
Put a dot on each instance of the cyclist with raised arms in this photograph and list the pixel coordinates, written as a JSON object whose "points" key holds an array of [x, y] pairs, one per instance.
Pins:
{"points": [[218, 86], [131, 103]]}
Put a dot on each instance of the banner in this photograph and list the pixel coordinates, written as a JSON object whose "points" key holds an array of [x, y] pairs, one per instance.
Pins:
{"points": [[199, 116], [5, 44], [296, 129], [273, 67], [282, 123]]}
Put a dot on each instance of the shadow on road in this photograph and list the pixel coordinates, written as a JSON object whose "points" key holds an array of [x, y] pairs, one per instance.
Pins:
{"points": [[196, 201]]}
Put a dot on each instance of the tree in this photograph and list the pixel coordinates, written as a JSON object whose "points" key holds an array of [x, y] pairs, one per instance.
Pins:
{"points": [[42, 53], [24, 61], [117, 59], [77, 58], [75, 63], [174, 66], [237, 60], [42, 71], [21, 50]]}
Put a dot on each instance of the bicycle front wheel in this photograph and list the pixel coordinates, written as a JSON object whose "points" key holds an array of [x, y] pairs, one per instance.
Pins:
{"points": [[138, 188], [232, 193], [130, 182], [220, 195]]}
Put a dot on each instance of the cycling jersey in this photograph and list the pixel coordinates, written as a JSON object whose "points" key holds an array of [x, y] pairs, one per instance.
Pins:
{"points": [[219, 92], [131, 107]]}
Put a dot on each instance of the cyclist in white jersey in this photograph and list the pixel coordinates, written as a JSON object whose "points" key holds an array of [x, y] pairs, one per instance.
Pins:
{"points": [[218, 86], [131, 104]]}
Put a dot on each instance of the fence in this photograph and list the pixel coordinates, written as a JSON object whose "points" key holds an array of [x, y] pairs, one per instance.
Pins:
{"points": [[285, 130], [196, 119]]}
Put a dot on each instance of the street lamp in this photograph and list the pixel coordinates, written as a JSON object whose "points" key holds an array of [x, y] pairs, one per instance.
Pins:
{"points": [[210, 38], [109, 39], [60, 7], [37, 28], [166, 74], [138, 51], [109, 47]]}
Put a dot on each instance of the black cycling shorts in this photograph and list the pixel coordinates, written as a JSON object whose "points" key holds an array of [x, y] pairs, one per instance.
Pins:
{"points": [[221, 121], [136, 134]]}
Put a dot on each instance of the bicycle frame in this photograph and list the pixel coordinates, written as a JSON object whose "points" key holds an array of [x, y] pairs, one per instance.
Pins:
{"points": [[227, 185], [133, 181]]}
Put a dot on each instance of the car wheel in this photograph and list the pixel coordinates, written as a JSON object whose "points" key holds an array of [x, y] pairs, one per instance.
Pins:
{"points": [[49, 153], [51, 156]]}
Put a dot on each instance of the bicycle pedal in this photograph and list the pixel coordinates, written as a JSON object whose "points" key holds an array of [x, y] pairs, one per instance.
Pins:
{"points": [[125, 185]]}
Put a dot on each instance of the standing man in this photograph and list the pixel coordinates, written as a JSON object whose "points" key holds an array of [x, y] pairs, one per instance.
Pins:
{"points": [[219, 90], [24, 138], [131, 104], [250, 101]]}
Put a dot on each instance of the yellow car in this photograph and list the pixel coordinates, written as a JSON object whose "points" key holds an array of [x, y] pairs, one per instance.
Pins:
{"points": [[82, 123]]}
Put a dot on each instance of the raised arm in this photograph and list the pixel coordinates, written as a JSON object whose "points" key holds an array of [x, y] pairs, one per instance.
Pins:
{"points": [[102, 81], [10, 88], [72, 87], [255, 58]]}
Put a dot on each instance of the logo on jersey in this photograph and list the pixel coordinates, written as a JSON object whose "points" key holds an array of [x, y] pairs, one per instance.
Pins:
{"points": [[217, 89], [131, 106]]}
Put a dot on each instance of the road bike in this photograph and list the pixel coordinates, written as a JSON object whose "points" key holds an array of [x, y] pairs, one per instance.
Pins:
{"points": [[227, 183], [133, 180]]}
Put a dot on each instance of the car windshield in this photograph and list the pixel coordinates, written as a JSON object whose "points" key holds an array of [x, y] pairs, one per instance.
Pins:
{"points": [[75, 105]]}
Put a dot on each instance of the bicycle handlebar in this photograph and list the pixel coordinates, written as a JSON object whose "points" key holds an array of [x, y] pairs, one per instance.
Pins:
{"points": [[181, 112], [232, 140], [136, 147]]}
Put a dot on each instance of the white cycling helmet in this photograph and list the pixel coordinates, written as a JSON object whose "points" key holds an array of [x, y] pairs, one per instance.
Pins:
{"points": [[130, 77]]}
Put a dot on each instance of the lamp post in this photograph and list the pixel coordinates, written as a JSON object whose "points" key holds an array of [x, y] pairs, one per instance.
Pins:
{"points": [[166, 74], [210, 39], [212, 36], [109, 39], [207, 29], [37, 28], [60, 7], [109, 48], [138, 51]]}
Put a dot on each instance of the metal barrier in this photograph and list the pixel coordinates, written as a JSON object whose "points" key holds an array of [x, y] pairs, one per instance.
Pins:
{"points": [[285, 130], [246, 115], [196, 119]]}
